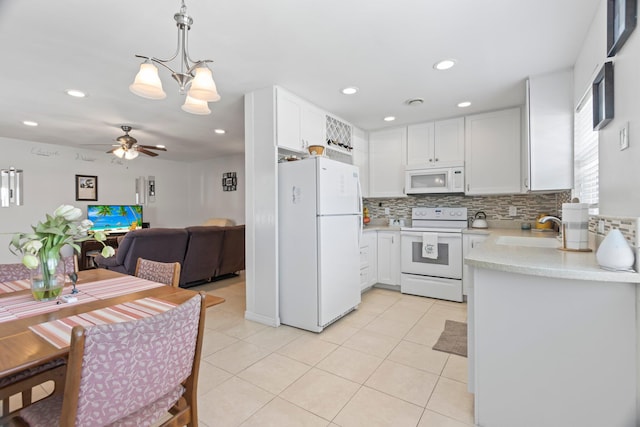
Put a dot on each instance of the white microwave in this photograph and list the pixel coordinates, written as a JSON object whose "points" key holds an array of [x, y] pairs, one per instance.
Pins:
{"points": [[439, 180]]}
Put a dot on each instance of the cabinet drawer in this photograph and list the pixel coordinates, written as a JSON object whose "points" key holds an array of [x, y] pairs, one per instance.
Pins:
{"points": [[364, 255]]}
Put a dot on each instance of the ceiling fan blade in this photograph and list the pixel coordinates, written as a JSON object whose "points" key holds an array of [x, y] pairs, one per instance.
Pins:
{"points": [[152, 147], [147, 152]]}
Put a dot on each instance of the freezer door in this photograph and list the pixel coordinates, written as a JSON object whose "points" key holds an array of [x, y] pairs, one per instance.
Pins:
{"points": [[338, 188], [339, 266]]}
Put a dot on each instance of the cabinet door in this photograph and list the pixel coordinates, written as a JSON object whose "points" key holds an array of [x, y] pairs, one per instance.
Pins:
{"points": [[312, 125], [389, 257], [387, 151], [288, 121], [449, 142], [420, 145], [492, 152], [469, 241], [361, 158], [368, 259]]}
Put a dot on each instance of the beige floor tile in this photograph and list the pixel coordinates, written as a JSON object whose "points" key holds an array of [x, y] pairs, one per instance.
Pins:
{"points": [[210, 377], [372, 343], [419, 356], [234, 303], [218, 319], [433, 419], [402, 314], [404, 382], [392, 328], [350, 364], [242, 329], [371, 408], [452, 399], [456, 368], [237, 356], [359, 318], [320, 392], [423, 333], [274, 338], [338, 333], [213, 341], [274, 373], [231, 403], [280, 413], [308, 349]]}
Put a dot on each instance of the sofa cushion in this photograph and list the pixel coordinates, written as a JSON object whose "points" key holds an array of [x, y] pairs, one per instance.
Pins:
{"points": [[233, 258], [204, 249]]}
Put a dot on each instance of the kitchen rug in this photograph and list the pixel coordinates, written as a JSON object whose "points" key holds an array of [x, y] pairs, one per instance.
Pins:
{"points": [[453, 339]]}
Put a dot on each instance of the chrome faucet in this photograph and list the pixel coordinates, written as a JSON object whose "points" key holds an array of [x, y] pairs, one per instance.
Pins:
{"points": [[555, 219]]}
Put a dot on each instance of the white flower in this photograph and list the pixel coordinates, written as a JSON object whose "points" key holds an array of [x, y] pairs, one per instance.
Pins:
{"points": [[30, 261], [85, 225], [68, 212], [32, 247], [108, 251], [100, 236]]}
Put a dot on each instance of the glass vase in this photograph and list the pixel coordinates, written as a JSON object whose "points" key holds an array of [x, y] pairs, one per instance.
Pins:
{"points": [[47, 280]]}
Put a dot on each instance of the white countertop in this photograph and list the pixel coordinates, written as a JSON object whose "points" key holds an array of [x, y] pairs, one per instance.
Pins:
{"points": [[534, 261]]}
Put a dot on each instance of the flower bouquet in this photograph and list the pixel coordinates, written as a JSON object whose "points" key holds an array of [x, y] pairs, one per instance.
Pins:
{"points": [[41, 249]]}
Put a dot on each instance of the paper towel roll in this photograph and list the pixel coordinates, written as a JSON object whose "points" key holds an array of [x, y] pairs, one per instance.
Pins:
{"points": [[575, 223]]}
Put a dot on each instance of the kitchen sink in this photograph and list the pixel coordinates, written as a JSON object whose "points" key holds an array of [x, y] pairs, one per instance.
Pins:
{"points": [[532, 242]]}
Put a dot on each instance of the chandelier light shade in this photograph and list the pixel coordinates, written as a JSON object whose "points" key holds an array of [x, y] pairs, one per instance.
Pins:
{"points": [[195, 106], [131, 154], [192, 75], [147, 83], [119, 152]]}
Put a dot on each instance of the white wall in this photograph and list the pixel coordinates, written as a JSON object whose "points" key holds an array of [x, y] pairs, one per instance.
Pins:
{"points": [[49, 181], [619, 195], [206, 197]]}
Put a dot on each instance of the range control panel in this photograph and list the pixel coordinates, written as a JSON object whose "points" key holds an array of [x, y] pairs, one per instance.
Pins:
{"points": [[423, 213]]}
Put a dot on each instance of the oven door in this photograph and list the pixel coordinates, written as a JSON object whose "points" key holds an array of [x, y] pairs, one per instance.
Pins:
{"points": [[449, 261]]}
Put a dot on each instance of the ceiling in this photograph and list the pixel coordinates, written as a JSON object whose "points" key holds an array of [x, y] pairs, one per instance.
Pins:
{"points": [[312, 48]]}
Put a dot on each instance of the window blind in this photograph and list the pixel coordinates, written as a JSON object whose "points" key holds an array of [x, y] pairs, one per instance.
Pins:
{"points": [[585, 155]]}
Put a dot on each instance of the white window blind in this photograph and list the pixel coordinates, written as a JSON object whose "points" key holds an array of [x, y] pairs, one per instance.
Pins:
{"points": [[585, 159]]}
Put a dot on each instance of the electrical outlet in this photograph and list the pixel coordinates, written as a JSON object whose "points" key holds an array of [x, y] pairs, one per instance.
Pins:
{"points": [[387, 211], [624, 137], [513, 211], [601, 226]]}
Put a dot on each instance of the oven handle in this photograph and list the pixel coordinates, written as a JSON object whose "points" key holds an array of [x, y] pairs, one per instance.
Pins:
{"points": [[440, 235]]}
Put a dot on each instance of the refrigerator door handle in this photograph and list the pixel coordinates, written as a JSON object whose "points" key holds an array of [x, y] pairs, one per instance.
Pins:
{"points": [[361, 216]]}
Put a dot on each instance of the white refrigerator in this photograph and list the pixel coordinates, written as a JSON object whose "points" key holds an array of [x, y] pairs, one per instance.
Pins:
{"points": [[319, 232]]}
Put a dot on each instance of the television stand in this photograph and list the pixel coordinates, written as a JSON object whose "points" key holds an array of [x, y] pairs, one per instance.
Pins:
{"points": [[88, 251]]}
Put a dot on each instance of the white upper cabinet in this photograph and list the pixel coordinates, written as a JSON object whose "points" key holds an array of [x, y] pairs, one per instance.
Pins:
{"points": [[387, 155], [436, 144], [298, 123], [492, 152], [361, 158], [548, 148]]}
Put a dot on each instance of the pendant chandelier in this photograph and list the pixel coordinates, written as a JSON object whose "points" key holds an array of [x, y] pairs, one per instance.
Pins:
{"points": [[195, 75]]}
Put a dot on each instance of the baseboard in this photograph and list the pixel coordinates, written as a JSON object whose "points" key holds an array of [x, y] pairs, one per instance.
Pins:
{"points": [[269, 321]]}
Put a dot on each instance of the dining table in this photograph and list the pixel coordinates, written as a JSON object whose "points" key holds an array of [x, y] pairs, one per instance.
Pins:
{"points": [[98, 290]]}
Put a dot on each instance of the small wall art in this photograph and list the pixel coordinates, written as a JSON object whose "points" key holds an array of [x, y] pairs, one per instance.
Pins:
{"points": [[621, 21], [87, 187], [229, 181], [602, 90]]}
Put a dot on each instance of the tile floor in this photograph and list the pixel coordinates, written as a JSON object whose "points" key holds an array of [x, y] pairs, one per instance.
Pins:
{"points": [[374, 367]]}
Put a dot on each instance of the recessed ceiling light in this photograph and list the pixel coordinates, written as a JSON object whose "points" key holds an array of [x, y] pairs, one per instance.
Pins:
{"points": [[30, 123], [350, 90], [415, 102], [444, 64], [389, 118], [220, 131], [464, 104], [76, 93]]}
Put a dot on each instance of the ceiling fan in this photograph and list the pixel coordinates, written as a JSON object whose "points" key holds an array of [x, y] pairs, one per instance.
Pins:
{"points": [[129, 147]]}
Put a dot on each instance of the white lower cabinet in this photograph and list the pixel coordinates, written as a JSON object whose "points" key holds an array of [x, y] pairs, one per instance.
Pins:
{"points": [[368, 259], [389, 257], [469, 241]]}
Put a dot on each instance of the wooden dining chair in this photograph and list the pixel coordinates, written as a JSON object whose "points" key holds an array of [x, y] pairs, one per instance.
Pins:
{"points": [[129, 373], [161, 272]]}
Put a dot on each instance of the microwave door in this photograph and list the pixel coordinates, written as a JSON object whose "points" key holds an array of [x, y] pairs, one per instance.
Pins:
{"points": [[429, 182]]}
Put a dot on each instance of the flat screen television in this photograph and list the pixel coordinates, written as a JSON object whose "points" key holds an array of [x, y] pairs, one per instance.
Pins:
{"points": [[115, 218]]}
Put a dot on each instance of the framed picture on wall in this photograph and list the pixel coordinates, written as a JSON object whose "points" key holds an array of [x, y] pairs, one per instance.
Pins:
{"points": [[229, 181], [602, 90], [621, 21], [87, 187]]}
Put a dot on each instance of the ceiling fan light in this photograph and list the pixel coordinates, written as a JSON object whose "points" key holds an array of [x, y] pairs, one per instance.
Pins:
{"points": [[130, 154], [203, 87], [119, 152], [147, 83], [195, 106]]}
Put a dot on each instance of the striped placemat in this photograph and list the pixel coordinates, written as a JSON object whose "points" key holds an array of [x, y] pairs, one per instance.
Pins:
{"points": [[58, 332], [16, 285], [20, 306]]}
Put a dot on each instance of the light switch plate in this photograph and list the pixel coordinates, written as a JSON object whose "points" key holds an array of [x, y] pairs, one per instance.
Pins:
{"points": [[624, 137], [387, 211], [513, 211]]}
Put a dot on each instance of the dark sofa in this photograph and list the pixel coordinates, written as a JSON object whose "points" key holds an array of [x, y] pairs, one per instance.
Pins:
{"points": [[204, 252]]}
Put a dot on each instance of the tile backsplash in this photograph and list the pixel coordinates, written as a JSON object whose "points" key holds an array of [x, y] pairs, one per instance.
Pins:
{"points": [[528, 206]]}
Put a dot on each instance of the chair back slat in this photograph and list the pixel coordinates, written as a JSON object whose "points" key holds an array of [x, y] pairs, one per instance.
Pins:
{"points": [[161, 272]]}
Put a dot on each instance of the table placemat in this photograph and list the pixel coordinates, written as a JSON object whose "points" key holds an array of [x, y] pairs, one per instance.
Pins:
{"points": [[15, 285], [20, 306], [58, 332]]}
